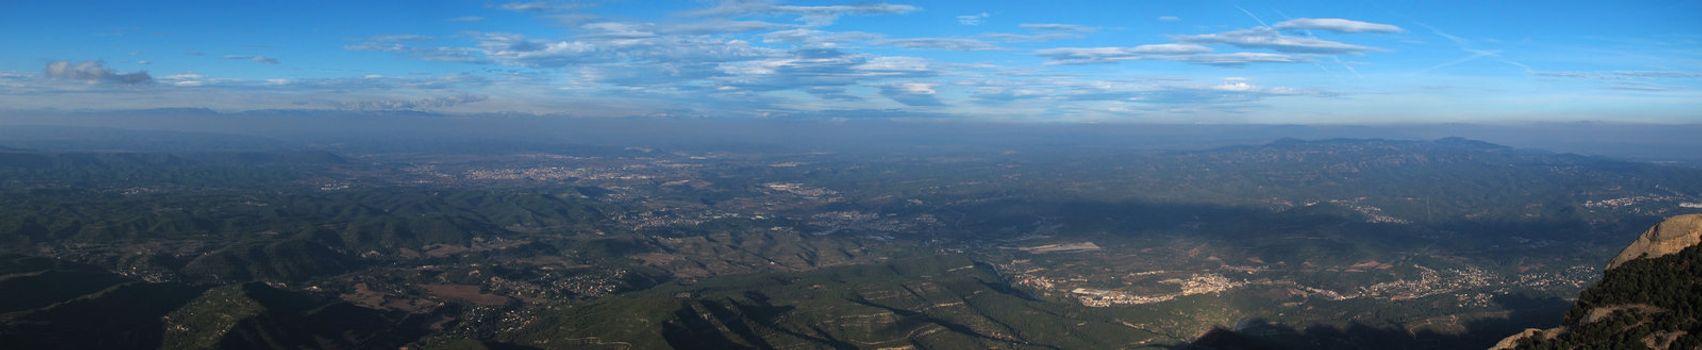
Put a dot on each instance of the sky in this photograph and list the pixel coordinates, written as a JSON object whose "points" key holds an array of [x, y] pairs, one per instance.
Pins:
{"points": [[1359, 62]]}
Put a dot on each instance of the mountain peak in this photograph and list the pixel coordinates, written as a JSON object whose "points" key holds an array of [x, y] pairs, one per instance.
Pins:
{"points": [[1469, 143], [1667, 237]]}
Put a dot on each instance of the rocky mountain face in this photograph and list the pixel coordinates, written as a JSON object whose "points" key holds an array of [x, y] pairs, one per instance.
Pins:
{"points": [[1649, 297], [1668, 237]]}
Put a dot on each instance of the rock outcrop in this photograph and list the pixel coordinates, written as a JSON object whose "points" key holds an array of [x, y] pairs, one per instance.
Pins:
{"points": [[1650, 297], [1513, 341], [1667, 237]]}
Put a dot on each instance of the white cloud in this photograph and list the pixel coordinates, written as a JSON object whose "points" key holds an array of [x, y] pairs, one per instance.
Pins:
{"points": [[811, 15], [253, 58], [94, 72], [1239, 84], [411, 46], [818, 38], [894, 64], [1004, 94], [1190, 53], [515, 49], [917, 88], [617, 30], [972, 20], [859, 9], [912, 94], [1265, 38], [954, 44], [1169, 49], [1624, 75], [184, 80], [1234, 85], [1336, 25], [1043, 32], [1057, 27], [1239, 58], [1169, 18], [820, 72], [693, 56], [721, 26], [539, 6]]}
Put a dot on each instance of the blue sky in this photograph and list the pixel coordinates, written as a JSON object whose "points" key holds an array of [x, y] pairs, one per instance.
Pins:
{"points": [[1068, 61]]}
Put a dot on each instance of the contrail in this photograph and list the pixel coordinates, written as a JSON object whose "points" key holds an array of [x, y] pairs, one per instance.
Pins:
{"points": [[1465, 45], [1255, 17], [1473, 57]]}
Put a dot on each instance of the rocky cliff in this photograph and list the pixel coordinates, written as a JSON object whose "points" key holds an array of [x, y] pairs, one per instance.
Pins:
{"points": [[1649, 297], [1668, 237]]}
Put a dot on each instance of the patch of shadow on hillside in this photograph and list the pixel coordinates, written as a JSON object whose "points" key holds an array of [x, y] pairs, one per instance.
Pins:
{"points": [[1259, 334]]}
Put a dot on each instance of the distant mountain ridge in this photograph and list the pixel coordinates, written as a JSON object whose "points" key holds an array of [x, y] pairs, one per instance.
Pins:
{"points": [[1422, 181]]}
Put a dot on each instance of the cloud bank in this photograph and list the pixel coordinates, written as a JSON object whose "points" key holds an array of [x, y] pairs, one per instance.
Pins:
{"points": [[94, 72]]}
